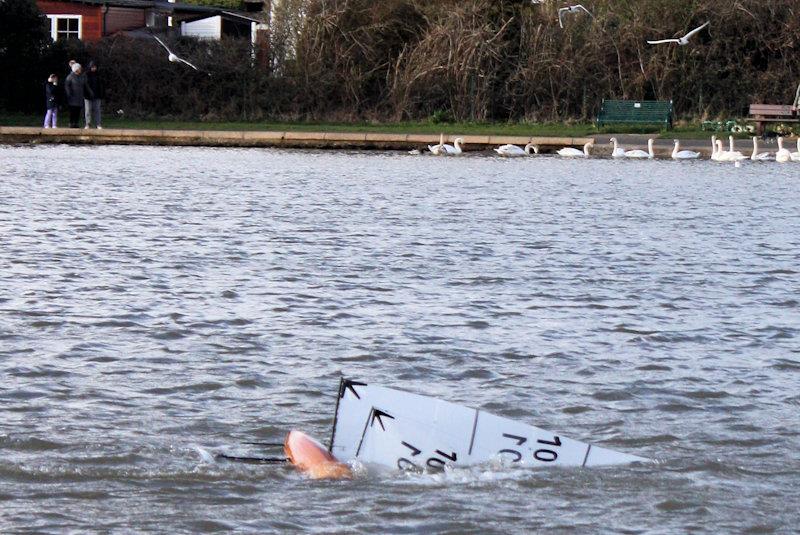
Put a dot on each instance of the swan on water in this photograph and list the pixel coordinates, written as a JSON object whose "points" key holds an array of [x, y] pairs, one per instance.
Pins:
{"points": [[571, 9], [783, 155], [678, 154], [735, 154], [437, 149], [682, 41], [571, 152], [795, 156], [731, 145], [758, 155], [714, 154], [619, 152], [717, 153], [452, 150], [728, 156], [638, 153], [515, 150]]}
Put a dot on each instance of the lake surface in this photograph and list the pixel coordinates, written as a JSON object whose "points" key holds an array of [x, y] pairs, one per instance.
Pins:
{"points": [[157, 300]]}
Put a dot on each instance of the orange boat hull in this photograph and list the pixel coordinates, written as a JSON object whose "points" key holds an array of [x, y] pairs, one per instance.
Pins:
{"points": [[312, 458]]}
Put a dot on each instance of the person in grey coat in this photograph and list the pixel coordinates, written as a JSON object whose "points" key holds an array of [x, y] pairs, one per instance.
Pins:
{"points": [[76, 91]]}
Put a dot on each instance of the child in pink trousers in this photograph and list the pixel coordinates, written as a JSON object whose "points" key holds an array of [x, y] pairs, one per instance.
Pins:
{"points": [[51, 98]]}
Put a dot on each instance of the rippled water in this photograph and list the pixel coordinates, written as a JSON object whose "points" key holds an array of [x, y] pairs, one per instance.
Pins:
{"points": [[155, 300]]}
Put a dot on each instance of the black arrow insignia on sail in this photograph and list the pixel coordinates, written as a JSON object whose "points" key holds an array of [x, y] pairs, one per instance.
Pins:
{"points": [[377, 414], [347, 384]]}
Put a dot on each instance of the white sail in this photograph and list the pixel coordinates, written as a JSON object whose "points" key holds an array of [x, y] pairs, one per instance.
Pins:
{"points": [[407, 444], [397, 429], [356, 401]]}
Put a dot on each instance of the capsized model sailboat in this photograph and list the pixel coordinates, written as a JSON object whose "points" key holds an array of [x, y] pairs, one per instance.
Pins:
{"points": [[399, 430], [311, 457]]}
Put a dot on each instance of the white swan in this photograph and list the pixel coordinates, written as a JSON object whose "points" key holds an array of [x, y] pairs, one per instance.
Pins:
{"points": [[735, 154], [718, 155], [758, 156], [795, 156], [571, 152], [783, 155], [619, 152], [454, 149], [514, 150], [678, 154], [640, 153], [728, 156], [714, 152], [437, 150]]}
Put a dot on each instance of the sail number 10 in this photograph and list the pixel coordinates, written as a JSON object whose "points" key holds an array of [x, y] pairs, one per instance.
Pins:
{"points": [[545, 455]]}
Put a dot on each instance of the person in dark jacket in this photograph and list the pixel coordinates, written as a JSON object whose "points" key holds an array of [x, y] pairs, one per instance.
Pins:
{"points": [[93, 104], [51, 101], [76, 91]]}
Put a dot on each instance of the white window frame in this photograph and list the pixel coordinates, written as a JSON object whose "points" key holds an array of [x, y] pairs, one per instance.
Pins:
{"points": [[54, 25]]}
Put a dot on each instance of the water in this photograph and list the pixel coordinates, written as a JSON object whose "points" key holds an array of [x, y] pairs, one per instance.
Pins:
{"points": [[153, 301]]}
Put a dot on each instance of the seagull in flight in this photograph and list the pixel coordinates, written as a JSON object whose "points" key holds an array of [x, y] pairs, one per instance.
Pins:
{"points": [[683, 40], [571, 9], [172, 57]]}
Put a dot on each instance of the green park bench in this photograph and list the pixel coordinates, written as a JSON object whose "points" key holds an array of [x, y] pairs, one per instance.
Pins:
{"points": [[655, 112]]}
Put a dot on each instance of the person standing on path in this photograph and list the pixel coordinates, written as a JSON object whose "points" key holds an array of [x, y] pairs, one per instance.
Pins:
{"points": [[94, 101], [76, 91], [51, 101]]}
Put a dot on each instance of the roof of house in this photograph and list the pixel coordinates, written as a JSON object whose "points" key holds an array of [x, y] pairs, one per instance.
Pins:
{"points": [[160, 5], [231, 15], [114, 3]]}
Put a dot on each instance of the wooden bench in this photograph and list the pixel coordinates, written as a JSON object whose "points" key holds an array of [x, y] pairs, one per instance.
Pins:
{"points": [[655, 112], [771, 113]]}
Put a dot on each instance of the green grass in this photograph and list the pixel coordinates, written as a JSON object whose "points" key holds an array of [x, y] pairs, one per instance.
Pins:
{"points": [[422, 127]]}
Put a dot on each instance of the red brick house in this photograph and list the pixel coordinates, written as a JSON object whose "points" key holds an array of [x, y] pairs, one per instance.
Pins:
{"points": [[73, 20], [91, 20]]}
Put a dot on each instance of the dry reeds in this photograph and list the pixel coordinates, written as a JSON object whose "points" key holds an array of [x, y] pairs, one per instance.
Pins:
{"points": [[480, 60]]}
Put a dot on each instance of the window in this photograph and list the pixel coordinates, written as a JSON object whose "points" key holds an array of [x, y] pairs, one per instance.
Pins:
{"points": [[65, 27]]}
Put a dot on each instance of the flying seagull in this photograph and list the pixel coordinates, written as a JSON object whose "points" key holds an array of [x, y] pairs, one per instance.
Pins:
{"points": [[571, 9], [683, 40], [172, 57]]}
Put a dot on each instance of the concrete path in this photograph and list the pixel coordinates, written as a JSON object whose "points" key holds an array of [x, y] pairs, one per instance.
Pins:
{"points": [[220, 138]]}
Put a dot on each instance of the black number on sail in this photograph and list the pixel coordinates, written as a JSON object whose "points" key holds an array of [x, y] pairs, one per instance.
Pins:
{"points": [[435, 463], [439, 464], [517, 455], [519, 440], [405, 464], [546, 456], [453, 457], [414, 451], [555, 442]]}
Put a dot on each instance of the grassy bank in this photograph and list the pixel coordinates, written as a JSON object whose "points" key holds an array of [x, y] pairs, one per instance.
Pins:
{"points": [[690, 131]]}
